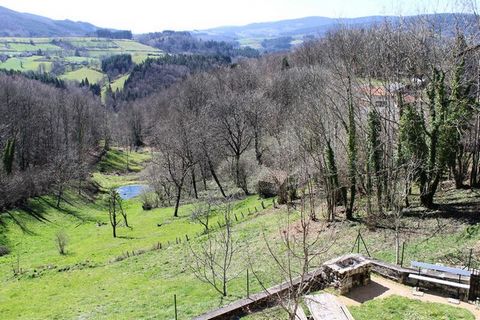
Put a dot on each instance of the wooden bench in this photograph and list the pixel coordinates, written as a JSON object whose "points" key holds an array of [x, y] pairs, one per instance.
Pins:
{"points": [[435, 267], [439, 281], [432, 279]]}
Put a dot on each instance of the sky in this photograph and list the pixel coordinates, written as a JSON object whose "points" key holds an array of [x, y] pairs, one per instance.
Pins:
{"points": [[156, 15]]}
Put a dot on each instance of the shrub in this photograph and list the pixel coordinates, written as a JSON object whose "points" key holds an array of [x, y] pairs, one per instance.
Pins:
{"points": [[61, 240], [4, 251]]}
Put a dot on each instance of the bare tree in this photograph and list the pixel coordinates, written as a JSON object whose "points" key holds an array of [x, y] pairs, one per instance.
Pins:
{"points": [[115, 210], [213, 258], [61, 240], [203, 211], [302, 245]]}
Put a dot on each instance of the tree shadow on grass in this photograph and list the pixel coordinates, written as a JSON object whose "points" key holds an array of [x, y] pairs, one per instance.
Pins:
{"points": [[43, 204], [35, 209], [127, 237], [468, 213]]}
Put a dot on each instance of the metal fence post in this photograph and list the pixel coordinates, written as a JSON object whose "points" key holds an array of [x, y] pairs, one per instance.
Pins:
{"points": [[175, 304]]}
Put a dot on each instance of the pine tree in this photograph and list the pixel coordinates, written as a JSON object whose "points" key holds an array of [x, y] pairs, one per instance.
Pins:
{"points": [[8, 156], [352, 155], [334, 194]]}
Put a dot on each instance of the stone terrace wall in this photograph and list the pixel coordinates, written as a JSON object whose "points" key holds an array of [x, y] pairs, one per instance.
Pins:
{"points": [[316, 279], [319, 279]]}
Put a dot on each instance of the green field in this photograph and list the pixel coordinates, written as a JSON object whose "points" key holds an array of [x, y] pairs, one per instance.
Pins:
{"points": [[118, 84], [129, 277], [93, 76], [34, 63], [80, 56]]}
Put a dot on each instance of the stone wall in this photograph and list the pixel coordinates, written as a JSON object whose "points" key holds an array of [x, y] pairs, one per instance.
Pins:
{"points": [[320, 279], [315, 281]]}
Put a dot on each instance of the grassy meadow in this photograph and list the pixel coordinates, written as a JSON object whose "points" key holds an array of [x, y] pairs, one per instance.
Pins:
{"points": [[131, 277]]}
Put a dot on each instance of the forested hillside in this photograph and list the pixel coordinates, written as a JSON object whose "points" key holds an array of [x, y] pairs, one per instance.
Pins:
{"points": [[49, 139], [333, 105]]}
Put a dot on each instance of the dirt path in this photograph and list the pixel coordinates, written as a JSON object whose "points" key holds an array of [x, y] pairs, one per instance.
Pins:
{"points": [[380, 288]]}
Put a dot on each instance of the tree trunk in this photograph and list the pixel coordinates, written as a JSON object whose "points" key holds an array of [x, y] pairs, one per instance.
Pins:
{"points": [[349, 211], [59, 197], [397, 245], [204, 178], [258, 153], [214, 175], [194, 183], [177, 201], [237, 171]]}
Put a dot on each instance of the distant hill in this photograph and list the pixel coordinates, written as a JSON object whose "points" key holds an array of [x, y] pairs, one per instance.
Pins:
{"points": [[280, 35], [16, 24]]}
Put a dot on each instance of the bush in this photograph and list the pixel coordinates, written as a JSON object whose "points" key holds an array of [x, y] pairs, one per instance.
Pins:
{"points": [[61, 240], [149, 200], [4, 251]]}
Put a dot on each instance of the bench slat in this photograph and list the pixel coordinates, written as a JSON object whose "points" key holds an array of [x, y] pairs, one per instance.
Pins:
{"points": [[439, 281], [435, 267]]}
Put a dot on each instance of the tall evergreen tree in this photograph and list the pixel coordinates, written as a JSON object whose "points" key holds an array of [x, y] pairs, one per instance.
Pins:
{"points": [[8, 156], [351, 154]]}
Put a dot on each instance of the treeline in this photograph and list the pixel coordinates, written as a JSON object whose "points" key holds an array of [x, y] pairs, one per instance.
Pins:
{"points": [[42, 77], [184, 42], [117, 64], [47, 138], [114, 34], [362, 112], [277, 44]]}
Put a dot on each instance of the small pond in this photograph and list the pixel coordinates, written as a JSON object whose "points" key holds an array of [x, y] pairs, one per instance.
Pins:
{"points": [[131, 191]]}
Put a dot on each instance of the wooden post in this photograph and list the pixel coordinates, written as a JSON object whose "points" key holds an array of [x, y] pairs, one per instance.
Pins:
{"points": [[364, 244], [403, 252], [470, 259], [248, 285], [175, 304], [358, 242]]}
